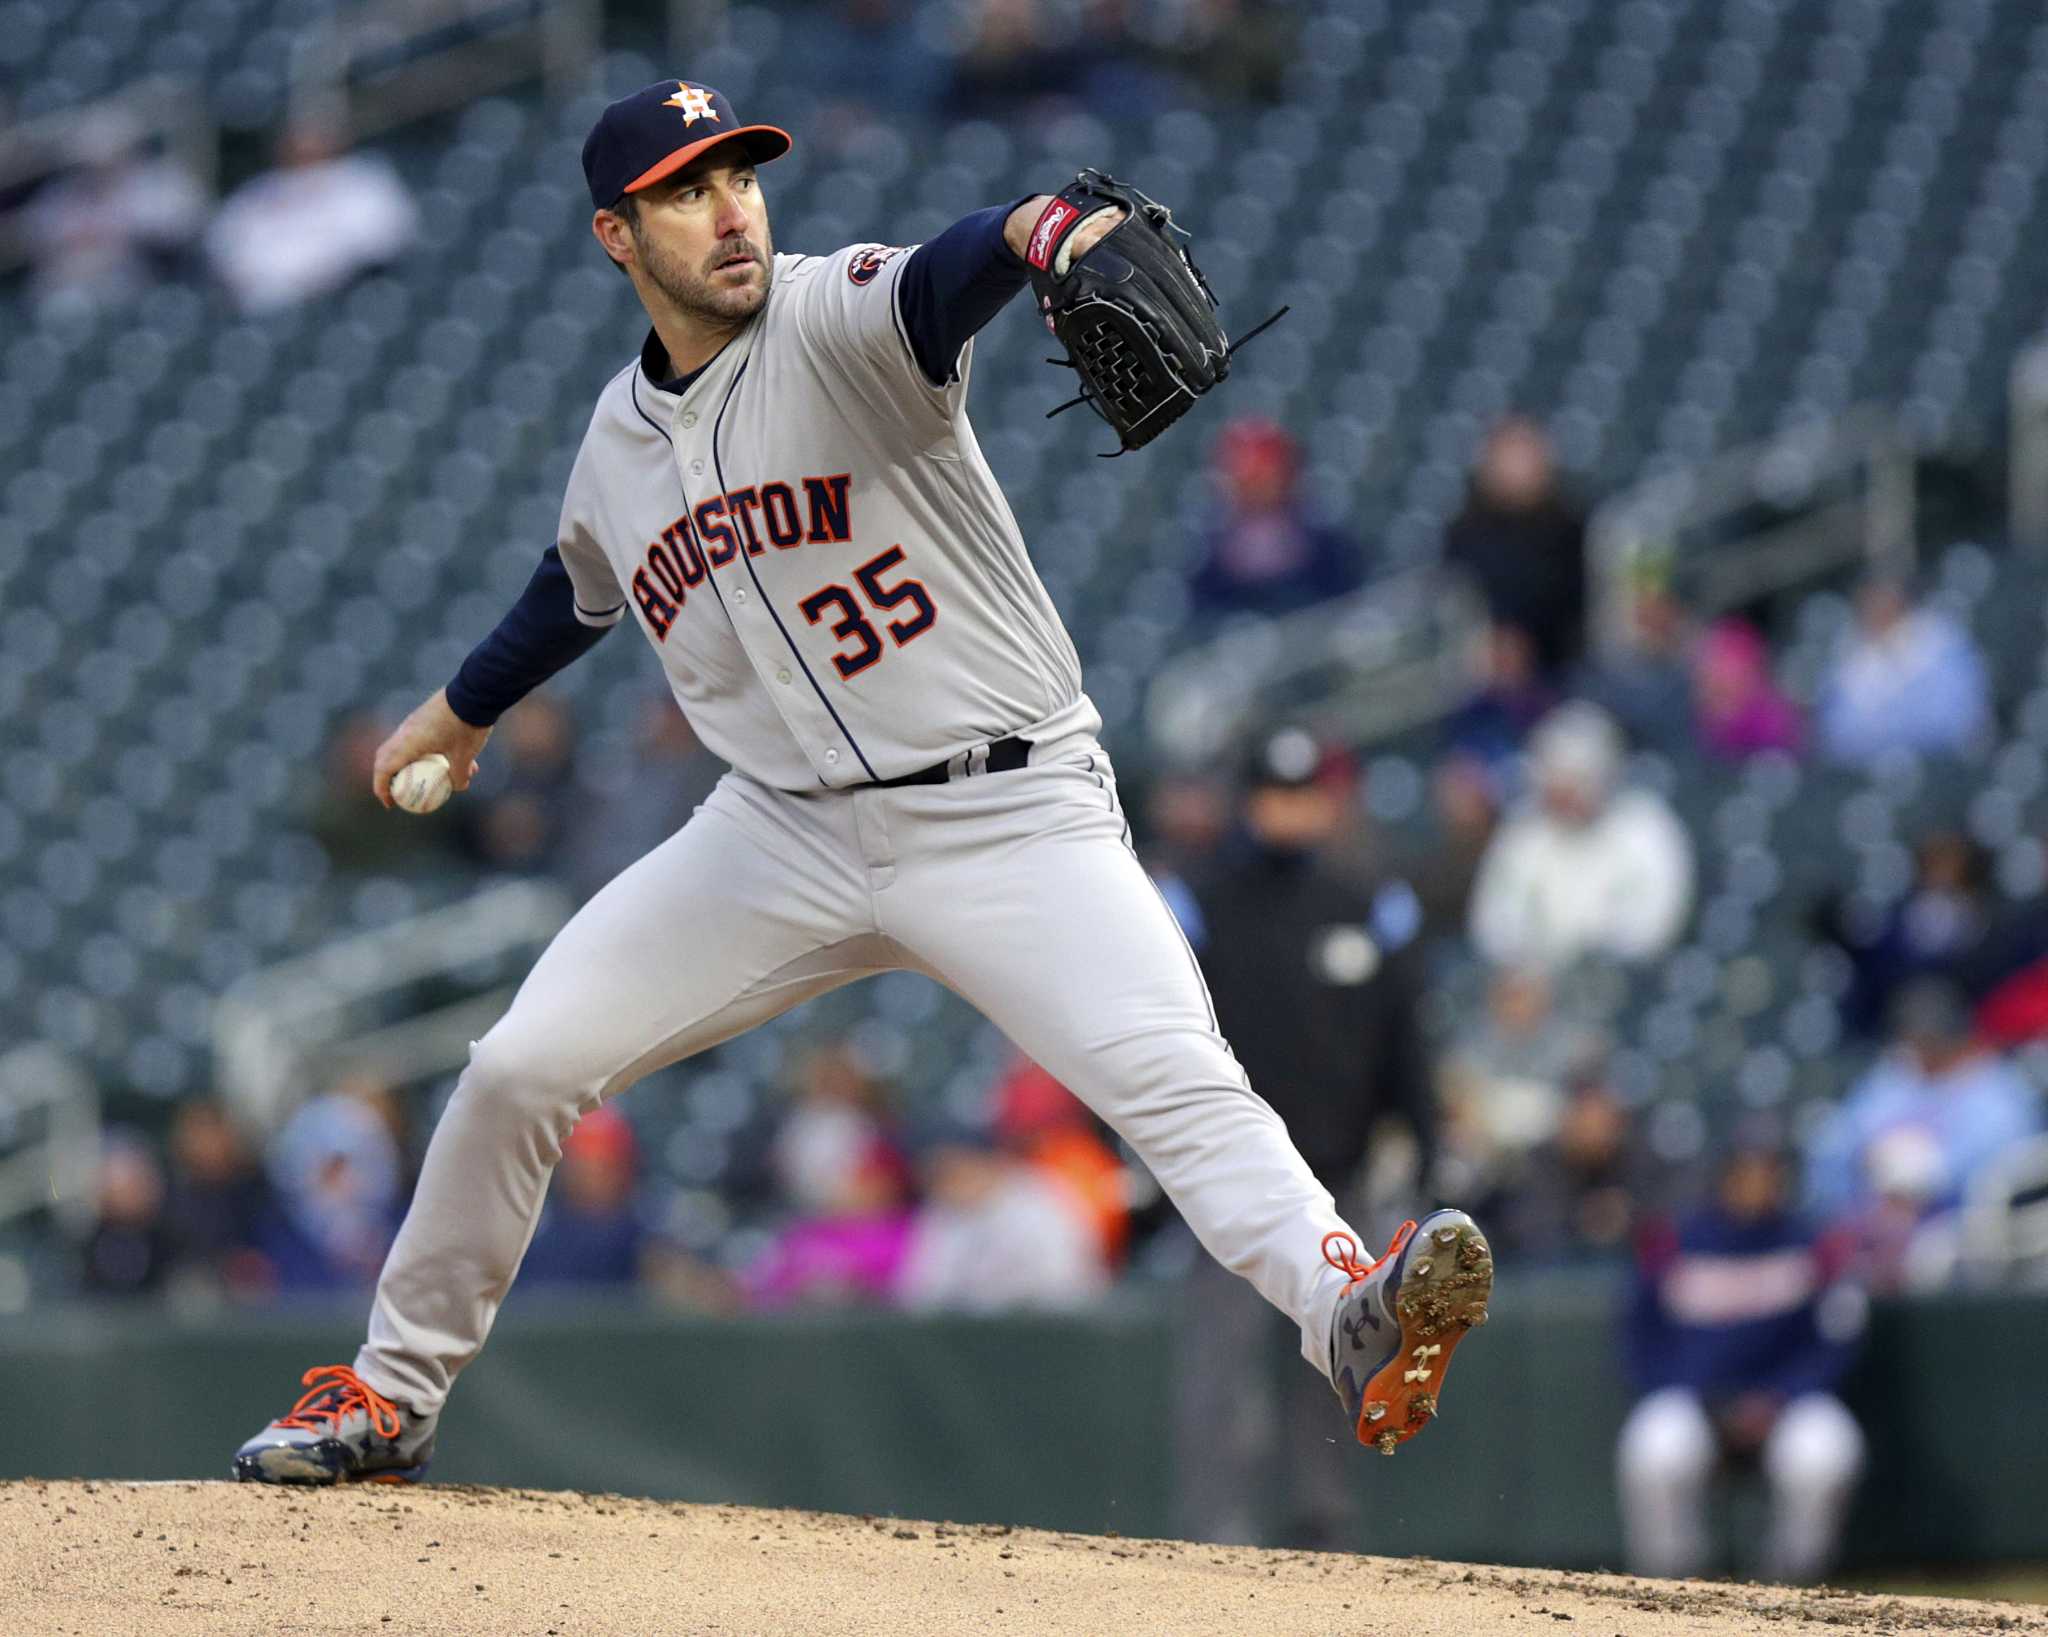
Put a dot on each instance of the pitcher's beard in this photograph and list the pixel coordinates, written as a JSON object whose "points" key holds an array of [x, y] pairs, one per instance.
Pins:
{"points": [[703, 296]]}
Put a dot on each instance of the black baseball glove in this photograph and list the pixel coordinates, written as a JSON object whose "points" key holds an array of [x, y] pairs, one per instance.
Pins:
{"points": [[1136, 316]]}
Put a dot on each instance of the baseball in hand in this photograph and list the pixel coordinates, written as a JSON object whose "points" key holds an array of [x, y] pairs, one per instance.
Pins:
{"points": [[421, 786]]}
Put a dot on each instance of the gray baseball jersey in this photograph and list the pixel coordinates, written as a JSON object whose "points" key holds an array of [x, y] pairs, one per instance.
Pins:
{"points": [[840, 593]]}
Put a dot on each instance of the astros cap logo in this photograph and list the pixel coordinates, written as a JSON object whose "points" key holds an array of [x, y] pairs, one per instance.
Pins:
{"points": [[694, 102]]}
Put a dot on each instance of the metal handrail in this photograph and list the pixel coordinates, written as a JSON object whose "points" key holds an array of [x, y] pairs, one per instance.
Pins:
{"points": [[58, 1172], [275, 1027], [1371, 665], [387, 63], [1842, 491]]}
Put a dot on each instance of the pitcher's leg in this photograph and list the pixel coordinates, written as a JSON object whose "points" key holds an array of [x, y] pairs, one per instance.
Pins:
{"points": [[733, 920], [1018, 890]]}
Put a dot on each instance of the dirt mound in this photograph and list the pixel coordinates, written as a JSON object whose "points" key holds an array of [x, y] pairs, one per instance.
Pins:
{"points": [[221, 1558]]}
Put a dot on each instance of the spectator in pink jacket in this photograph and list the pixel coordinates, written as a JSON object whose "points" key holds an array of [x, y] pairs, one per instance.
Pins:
{"points": [[1740, 711]]}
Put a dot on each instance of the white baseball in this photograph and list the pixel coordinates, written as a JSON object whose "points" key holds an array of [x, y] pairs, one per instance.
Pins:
{"points": [[421, 786]]}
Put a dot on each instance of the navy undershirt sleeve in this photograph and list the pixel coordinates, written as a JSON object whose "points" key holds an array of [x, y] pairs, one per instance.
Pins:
{"points": [[954, 284], [539, 634]]}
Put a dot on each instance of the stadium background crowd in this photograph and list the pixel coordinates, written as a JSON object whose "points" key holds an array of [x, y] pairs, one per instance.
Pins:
{"points": [[1725, 940]]}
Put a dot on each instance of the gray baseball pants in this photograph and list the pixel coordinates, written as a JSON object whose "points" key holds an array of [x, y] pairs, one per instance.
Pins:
{"points": [[1018, 890]]}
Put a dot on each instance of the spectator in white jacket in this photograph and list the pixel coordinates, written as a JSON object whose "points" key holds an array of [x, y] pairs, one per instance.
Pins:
{"points": [[312, 226], [1586, 867]]}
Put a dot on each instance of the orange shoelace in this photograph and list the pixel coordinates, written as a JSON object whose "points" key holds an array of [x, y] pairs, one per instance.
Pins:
{"points": [[351, 1394], [1345, 1257]]}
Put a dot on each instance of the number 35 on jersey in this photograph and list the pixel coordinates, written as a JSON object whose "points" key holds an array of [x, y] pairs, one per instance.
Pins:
{"points": [[783, 516]]}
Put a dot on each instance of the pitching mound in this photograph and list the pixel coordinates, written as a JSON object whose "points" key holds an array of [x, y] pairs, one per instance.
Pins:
{"points": [[213, 1559]]}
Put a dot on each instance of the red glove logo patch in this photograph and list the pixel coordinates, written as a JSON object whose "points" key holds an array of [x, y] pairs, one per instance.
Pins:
{"points": [[1057, 215]]}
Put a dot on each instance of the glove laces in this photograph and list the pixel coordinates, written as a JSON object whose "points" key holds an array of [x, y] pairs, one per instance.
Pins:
{"points": [[347, 1393], [1340, 1250]]}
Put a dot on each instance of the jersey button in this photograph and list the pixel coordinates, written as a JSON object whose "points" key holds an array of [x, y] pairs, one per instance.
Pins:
{"points": [[782, 675], [740, 595], [831, 755], [696, 468], [690, 419]]}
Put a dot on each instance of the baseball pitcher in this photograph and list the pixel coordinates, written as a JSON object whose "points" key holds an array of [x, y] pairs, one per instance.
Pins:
{"points": [[784, 492]]}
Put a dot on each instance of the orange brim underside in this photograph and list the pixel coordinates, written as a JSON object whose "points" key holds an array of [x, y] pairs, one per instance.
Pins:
{"points": [[669, 164]]}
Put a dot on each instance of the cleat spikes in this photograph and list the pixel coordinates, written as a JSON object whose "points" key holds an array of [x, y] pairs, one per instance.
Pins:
{"points": [[1445, 1236], [1422, 1268], [1375, 1412], [1387, 1442]]}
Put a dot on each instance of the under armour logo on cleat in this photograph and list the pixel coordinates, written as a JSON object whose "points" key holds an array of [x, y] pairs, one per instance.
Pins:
{"points": [[1423, 1355]]}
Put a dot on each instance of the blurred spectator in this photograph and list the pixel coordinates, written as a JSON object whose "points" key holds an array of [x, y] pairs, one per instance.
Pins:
{"points": [[996, 1232], [1939, 929], [217, 1201], [106, 230], [1313, 979], [850, 1186], [630, 803], [1465, 808], [1585, 867], [1741, 712], [1647, 683], [1576, 1196], [356, 832], [1905, 679], [1512, 697], [131, 1249], [1187, 816], [337, 1173], [839, 1120], [1236, 51], [312, 226], [1264, 553], [872, 61], [516, 813], [1503, 1081], [1312, 973], [1034, 59], [1524, 544], [1905, 1143], [589, 1232], [1046, 1125], [1739, 1327]]}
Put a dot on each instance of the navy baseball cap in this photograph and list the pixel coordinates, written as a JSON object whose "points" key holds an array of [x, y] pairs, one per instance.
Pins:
{"points": [[656, 132]]}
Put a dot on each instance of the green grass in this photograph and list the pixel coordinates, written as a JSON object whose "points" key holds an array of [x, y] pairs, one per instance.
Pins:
{"points": [[2000, 1582]]}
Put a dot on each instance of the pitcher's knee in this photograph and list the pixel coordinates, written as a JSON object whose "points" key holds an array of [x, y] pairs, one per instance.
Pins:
{"points": [[528, 1084]]}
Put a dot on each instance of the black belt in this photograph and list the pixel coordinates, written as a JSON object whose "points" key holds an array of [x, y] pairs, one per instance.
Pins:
{"points": [[1004, 756]]}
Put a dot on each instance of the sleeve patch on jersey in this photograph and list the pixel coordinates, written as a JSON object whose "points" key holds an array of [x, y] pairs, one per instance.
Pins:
{"points": [[863, 268]]}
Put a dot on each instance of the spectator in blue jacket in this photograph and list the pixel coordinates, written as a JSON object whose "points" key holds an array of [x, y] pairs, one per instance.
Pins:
{"points": [[590, 1233], [1942, 1088], [1738, 1327], [1266, 552], [1907, 678]]}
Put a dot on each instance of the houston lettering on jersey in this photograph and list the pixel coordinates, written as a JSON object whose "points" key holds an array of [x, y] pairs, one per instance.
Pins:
{"points": [[762, 517]]}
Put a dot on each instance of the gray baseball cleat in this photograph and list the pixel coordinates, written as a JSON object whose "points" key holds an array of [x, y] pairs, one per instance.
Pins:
{"points": [[342, 1431], [1400, 1319]]}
